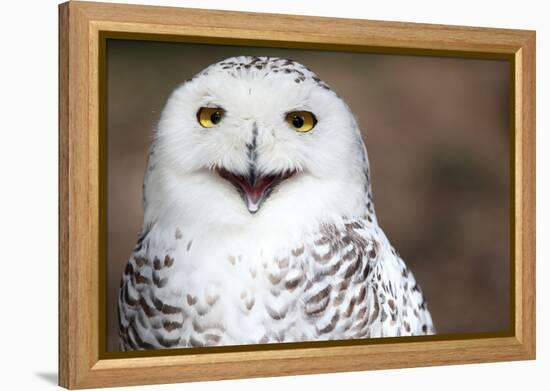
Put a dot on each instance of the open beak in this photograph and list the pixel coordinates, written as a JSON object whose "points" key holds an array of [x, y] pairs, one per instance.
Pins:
{"points": [[254, 189]]}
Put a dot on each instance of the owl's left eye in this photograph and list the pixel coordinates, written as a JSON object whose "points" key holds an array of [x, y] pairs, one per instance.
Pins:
{"points": [[301, 121], [209, 117]]}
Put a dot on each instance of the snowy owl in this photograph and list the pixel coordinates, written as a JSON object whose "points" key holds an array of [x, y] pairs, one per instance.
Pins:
{"points": [[259, 223]]}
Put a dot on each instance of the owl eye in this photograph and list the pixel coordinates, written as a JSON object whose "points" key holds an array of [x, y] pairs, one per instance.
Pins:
{"points": [[301, 121], [209, 117]]}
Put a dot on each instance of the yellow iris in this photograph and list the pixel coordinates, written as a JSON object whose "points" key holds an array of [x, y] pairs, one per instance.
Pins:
{"points": [[301, 121], [209, 117]]}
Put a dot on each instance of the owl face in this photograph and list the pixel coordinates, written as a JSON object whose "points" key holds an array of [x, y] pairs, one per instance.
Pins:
{"points": [[256, 136]]}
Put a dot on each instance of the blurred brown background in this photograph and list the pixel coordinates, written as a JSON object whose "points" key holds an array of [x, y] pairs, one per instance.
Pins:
{"points": [[437, 134]]}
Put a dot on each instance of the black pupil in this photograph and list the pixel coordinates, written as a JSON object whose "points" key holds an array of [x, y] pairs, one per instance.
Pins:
{"points": [[216, 117], [298, 121]]}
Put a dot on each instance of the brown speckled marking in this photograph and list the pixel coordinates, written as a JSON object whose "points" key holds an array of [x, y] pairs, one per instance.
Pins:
{"points": [[195, 343], [275, 279], [350, 308], [362, 312], [383, 315], [149, 311], [191, 300], [340, 298], [141, 261], [197, 327], [283, 263], [298, 251], [128, 298], [352, 269], [168, 261], [166, 308], [318, 302], [129, 270], [170, 326], [361, 323], [212, 338], [167, 342], [157, 264], [140, 279], [293, 284], [372, 253], [249, 303], [211, 300], [159, 282], [276, 315], [332, 324], [362, 294], [376, 310]]}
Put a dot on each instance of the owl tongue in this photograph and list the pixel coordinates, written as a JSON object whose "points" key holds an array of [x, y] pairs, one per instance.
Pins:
{"points": [[254, 189]]}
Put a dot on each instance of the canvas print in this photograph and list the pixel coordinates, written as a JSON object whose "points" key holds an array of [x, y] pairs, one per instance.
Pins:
{"points": [[258, 213]]}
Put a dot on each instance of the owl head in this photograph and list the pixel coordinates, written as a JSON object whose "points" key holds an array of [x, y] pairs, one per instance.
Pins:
{"points": [[256, 140]]}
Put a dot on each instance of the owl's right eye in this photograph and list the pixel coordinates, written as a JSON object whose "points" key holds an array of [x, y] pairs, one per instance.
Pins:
{"points": [[209, 117]]}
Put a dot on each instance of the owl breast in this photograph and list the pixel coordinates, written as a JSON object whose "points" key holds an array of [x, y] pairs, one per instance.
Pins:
{"points": [[342, 281]]}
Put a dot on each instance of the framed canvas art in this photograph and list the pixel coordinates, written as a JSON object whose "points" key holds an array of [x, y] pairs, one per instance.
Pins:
{"points": [[257, 195]]}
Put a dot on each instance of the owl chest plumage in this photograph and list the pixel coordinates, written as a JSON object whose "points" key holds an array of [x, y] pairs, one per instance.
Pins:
{"points": [[342, 281]]}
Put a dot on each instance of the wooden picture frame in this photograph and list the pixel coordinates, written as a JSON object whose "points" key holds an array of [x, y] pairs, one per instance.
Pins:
{"points": [[83, 28]]}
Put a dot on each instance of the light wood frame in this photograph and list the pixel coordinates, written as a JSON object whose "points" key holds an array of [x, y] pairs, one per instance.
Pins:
{"points": [[81, 25]]}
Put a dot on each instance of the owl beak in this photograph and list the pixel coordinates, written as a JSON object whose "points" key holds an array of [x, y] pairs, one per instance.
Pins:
{"points": [[254, 189]]}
